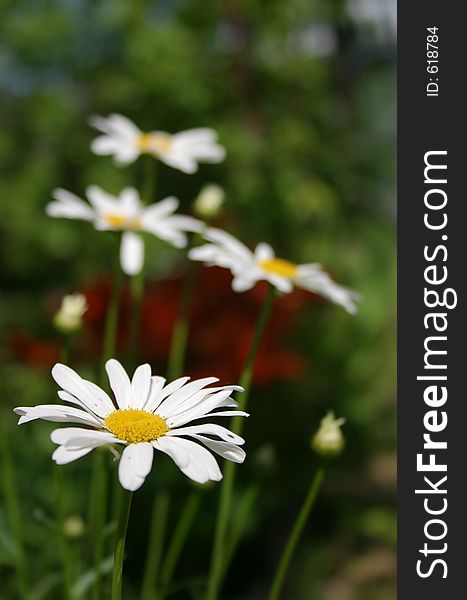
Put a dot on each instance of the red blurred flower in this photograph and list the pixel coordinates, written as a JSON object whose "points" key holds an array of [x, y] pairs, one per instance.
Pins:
{"points": [[35, 352], [221, 327]]}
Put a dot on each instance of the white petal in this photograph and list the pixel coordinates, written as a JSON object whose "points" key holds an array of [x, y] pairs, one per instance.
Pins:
{"points": [[160, 210], [67, 397], [264, 252], [202, 465], [177, 452], [201, 396], [103, 145], [229, 242], [131, 253], [102, 201], [153, 401], [71, 382], [314, 279], [283, 284], [172, 387], [77, 437], [177, 399], [126, 154], [225, 449], [123, 126], [211, 255], [208, 153], [166, 232], [119, 382], [130, 202], [211, 429], [179, 160], [185, 223], [102, 397], [140, 386], [198, 135], [63, 456], [135, 464], [69, 206], [224, 413], [210, 403], [242, 284], [55, 413]]}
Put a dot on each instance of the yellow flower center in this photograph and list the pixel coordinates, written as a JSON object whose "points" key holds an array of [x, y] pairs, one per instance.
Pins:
{"points": [[154, 142], [279, 266], [120, 222], [135, 426]]}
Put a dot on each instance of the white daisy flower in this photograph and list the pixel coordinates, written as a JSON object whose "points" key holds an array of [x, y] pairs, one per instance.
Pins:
{"points": [[249, 267], [123, 140], [126, 213], [148, 415]]}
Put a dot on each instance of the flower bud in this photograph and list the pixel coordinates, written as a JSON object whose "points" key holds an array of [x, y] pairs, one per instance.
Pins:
{"points": [[328, 440], [69, 317], [74, 526], [209, 201]]}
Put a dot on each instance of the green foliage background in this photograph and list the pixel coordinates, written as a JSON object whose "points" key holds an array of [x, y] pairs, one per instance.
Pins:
{"points": [[302, 95]]}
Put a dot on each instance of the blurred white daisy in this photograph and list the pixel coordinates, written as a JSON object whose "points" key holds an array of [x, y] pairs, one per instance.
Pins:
{"points": [[249, 267], [148, 415], [126, 213], [123, 140]]}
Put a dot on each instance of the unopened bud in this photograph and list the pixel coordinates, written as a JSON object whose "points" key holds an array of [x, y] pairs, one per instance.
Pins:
{"points": [[209, 201], [69, 317], [73, 527], [329, 440]]}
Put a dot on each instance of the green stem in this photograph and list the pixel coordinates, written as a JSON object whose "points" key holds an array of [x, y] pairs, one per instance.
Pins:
{"points": [[13, 512], [177, 542], [136, 293], [65, 554], [99, 488], [99, 477], [148, 179], [111, 320], [148, 186], [66, 347], [227, 485], [242, 517], [120, 545], [180, 333], [156, 543], [295, 535]]}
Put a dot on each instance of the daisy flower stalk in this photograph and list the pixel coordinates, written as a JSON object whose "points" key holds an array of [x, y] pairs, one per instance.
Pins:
{"points": [[126, 214], [218, 565], [123, 140], [147, 415], [328, 442], [248, 267], [67, 320]]}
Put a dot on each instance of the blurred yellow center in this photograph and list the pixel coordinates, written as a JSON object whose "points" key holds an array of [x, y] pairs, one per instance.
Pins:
{"points": [[154, 142], [279, 266], [135, 426], [120, 222]]}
